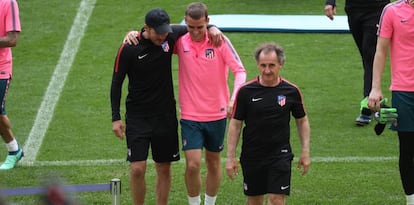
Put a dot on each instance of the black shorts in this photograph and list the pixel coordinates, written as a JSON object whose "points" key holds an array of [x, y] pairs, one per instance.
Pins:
{"points": [[268, 176], [159, 132]]}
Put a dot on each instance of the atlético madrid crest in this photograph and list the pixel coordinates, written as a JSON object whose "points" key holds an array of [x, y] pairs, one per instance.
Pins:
{"points": [[281, 100], [209, 53], [165, 46]]}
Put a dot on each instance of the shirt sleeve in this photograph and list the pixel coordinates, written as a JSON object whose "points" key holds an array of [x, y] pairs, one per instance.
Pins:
{"points": [[178, 31], [385, 28], [12, 17], [239, 108], [330, 2], [298, 109], [118, 77], [234, 62]]}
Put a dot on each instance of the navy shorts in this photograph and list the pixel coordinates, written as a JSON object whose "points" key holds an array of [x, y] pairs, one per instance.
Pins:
{"points": [[159, 132], [4, 87], [266, 176], [404, 102], [196, 135]]}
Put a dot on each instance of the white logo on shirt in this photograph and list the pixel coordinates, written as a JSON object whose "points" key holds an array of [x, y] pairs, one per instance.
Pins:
{"points": [[143, 56], [256, 99]]}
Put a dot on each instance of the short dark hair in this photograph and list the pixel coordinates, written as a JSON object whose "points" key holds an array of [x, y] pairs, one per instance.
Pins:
{"points": [[197, 10]]}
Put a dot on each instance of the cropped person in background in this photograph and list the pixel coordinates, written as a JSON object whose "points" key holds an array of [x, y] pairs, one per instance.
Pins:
{"points": [[396, 35], [363, 18], [9, 33]]}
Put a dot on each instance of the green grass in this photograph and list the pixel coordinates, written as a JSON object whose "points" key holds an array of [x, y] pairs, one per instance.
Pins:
{"points": [[327, 67]]}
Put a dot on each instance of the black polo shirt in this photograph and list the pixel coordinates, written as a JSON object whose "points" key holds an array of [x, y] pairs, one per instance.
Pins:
{"points": [[148, 68], [266, 113]]}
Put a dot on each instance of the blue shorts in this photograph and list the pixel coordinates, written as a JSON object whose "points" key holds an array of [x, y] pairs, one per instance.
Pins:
{"points": [[404, 102], [196, 135], [4, 87]]}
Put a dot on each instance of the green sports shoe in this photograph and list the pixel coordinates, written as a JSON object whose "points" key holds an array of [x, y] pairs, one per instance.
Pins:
{"points": [[12, 159], [365, 114]]}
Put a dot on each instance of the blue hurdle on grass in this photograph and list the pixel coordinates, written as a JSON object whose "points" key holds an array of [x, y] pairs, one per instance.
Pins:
{"points": [[114, 187]]}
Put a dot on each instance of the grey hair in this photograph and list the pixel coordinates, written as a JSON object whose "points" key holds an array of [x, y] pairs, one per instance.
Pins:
{"points": [[268, 48]]}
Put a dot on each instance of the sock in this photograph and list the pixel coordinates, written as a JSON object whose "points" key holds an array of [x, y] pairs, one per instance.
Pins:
{"points": [[410, 199], [195, 200], [12, 146], [209, 200]]}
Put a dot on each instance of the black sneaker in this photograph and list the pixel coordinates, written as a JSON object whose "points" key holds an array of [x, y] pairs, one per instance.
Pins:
{"points": [[363, 120]]}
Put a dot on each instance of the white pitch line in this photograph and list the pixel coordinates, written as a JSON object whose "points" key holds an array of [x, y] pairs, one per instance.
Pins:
{"points": [[353, 159], [45, 112], [103, 162]]}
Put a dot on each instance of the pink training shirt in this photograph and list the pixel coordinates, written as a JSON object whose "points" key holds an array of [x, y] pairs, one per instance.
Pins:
{"points": [[397, 24], [203, 72], [9, 21]]}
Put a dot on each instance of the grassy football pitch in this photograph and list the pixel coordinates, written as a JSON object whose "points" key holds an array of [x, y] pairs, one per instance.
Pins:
{"points": [[59, 106]]}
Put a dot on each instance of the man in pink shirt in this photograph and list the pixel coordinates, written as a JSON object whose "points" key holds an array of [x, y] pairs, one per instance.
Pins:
{"points": [[9, 32], [205, 101], [396, 34]]}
